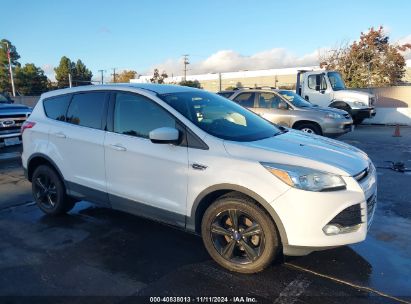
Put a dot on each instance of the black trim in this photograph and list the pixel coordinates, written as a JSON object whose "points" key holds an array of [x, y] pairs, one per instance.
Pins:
{"points": [[363, 113], [150, 212], [85, 193], [192, 221], [349, 217], [48, 159]]}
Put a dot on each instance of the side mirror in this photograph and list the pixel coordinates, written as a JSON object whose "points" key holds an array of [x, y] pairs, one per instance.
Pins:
{"points": [[282, 106], [164, 135]]}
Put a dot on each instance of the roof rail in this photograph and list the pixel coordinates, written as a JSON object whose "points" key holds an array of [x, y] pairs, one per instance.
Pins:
{"points": [[265, 87], [243, 88]]}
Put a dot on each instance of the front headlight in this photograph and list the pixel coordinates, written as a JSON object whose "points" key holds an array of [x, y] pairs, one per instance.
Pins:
{"points": [[333, 115], [359, 104], [305, 178]]}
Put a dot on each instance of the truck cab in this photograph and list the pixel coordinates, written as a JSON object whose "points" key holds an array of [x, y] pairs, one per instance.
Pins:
{"points": [[327, 89]]}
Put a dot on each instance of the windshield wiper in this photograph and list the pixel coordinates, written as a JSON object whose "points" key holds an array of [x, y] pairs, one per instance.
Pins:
{"points": [[282, 130]]}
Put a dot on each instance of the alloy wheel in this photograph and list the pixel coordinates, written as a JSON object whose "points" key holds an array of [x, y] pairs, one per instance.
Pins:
{"points": [[45, 191], [237, 236]]}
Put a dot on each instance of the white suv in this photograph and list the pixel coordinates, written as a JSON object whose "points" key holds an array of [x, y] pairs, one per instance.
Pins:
{"points": [[201, 162]]}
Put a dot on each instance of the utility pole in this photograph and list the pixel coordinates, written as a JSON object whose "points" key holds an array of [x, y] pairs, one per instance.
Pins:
{"points": [[11, 70], [114, 74], [102, 75], [186, 62], [220, 87], [70, 81]]}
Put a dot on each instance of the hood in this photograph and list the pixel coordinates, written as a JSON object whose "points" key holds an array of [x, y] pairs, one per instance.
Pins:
{"points": [[14, 107], [305, 150], [351, 96]]}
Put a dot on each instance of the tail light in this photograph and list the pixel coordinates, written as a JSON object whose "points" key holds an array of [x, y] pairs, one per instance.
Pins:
{"points": [[27, 125]]}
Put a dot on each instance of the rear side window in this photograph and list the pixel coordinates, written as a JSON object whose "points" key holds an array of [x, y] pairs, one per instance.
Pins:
{"points": [[137, 115], [86, 109], [245, 99], [56, 107]]}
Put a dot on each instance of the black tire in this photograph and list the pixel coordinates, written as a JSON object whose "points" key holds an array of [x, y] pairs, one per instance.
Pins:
{"points": [[358, 121], [310, 128], [221, 236], [49, 192]]}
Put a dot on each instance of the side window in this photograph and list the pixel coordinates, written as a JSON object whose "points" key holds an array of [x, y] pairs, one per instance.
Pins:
{"points": [[317, 82], [86, 109], [56, 107], [245, 99], [268, 100], [137, 115], [312, 82]]}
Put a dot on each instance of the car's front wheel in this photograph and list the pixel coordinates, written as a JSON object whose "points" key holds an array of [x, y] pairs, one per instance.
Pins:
{"points": [[49, 191], [239, 235], [309, 128]]}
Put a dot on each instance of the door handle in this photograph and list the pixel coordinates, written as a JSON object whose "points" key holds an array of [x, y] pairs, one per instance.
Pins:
{"points": [[60, 134], [118, 147]]}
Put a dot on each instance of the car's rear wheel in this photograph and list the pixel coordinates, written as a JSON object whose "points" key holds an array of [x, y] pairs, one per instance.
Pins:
{"points": [[49, 191], [239, 235], [309, 128]]}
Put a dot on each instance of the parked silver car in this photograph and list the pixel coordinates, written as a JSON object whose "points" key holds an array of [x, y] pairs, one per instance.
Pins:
{"points": [[288, 109]]}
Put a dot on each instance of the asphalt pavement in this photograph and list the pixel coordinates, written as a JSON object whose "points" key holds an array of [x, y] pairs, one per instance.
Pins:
{"points": [[113, 257]]}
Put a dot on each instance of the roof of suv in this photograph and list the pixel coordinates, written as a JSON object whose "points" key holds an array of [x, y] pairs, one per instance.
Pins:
{"points": [[151, 87]]}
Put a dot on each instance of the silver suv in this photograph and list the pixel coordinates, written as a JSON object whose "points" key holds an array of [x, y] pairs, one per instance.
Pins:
{"points": [[288, 109]]}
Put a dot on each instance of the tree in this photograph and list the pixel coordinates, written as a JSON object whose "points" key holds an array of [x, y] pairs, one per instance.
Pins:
{"points": [[30, 80], [191, 83], [62, 72], [371, 61], [5, 84], [79, 73], [157, 78], [125, 76]]}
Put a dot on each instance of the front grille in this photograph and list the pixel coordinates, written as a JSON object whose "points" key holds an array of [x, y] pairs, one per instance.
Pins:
{"points": [[12, 116], [350, 216]]}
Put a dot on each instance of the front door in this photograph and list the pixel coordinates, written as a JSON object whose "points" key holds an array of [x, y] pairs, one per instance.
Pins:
{"points": [[145, 178], [271, 107], [317, 91]]}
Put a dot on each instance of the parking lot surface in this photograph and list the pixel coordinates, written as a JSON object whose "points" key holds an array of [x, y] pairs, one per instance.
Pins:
{"points": [[112, 255]]}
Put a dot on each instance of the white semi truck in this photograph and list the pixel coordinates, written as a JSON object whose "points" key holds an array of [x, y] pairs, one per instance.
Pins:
{"points": [[327, 89]]}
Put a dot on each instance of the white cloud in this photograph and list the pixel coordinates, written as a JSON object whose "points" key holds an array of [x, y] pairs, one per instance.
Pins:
{"points": [[49, 71], [230, 60], [404, 40]]}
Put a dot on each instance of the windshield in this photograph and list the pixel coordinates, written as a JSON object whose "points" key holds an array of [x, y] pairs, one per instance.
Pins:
{"points": [[220, 117], [336, 81], [295, 99], [3, 99]]}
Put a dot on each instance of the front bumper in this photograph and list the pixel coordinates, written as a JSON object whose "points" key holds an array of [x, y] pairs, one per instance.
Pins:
{"points": [[304, 215], [363, 113], [337, 128]]}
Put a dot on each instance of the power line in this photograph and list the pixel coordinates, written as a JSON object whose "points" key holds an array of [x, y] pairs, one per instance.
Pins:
{"points": [[102, 75], [185, 62], [114, 74]]}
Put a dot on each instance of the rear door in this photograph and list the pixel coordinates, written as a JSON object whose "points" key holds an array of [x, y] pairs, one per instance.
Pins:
{"points": [[268, 107], [245, 99], [76, 144]]}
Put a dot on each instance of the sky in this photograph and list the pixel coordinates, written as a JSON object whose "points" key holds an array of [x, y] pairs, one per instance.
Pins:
{"points": [[218, 35]]}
